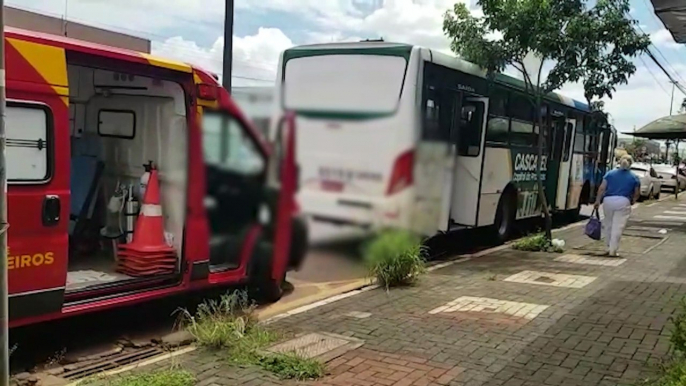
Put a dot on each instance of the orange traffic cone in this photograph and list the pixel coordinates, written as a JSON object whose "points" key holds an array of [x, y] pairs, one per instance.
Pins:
{"points": [[148, 253], [148, 235]]}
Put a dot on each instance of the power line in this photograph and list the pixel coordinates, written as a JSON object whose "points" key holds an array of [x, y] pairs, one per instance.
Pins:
{"points": [[663, 57], [653, 75]]}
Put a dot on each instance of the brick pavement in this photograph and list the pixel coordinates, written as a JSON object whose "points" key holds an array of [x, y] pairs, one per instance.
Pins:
{"points": [[577, 319]]}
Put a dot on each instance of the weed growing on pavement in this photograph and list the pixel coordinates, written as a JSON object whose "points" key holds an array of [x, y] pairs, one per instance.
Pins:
{"points": [[536, 243], [221, 323], [168, 377], [230, 324], [291, 366], [395, 258], [673, 371]]}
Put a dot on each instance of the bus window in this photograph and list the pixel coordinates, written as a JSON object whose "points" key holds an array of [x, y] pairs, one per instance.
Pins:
{"points": [[568, 141], [497, 130], [471, 129], [522, 133], [432, 128], [579, 142], [498, 123]]}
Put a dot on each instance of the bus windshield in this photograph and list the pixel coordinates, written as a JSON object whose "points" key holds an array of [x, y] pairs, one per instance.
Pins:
{"points": [[344, 83]]}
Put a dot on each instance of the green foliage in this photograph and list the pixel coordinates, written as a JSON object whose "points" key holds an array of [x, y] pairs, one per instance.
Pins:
{"points": [[635, 148], [678, 337], [169, 377], [591, 44], [291, 366], [230, 324], [219, 324], [395, 258], [535, 243], [673, 372]]}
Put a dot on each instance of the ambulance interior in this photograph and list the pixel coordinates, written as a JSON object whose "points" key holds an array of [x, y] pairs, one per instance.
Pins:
{"points": [[119, 123]]}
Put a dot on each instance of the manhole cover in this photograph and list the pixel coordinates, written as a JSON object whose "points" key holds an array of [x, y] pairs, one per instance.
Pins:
{"points": [[322, 345], [544, 279]]}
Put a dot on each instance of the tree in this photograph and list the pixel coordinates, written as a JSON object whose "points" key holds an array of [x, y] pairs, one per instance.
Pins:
{"points": [[573, 41], [635, 148]]}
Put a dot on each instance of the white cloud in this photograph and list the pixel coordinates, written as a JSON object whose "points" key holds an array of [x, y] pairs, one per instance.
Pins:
{"points": [[663, 38], [255, 57]]}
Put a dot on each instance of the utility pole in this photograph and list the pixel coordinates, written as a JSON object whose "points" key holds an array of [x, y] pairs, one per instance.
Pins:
{"points": [[226, 75], [4, 298], [671, 101], [228, 46]]}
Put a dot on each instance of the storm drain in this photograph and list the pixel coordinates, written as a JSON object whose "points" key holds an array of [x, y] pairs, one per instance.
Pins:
{"points": [[110, 363], [321, 345]]}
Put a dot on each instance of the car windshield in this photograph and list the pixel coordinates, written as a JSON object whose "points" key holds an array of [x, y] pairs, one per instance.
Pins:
{"points": [[638, 171], [664, 169]]}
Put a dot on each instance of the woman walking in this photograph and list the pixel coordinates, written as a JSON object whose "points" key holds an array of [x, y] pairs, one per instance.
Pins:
{"points": [[618, 192]]}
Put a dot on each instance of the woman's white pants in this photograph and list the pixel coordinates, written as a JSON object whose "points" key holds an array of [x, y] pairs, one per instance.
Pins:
{"points": [[617, 210]]}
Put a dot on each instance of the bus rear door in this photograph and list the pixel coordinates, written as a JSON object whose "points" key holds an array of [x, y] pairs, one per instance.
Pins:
{"points": [[465, 196], [565, 165], [435, 160]]}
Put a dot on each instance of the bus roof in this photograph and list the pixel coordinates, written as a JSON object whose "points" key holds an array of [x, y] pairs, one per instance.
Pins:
{"points": [[402, 49], [97, 49]]}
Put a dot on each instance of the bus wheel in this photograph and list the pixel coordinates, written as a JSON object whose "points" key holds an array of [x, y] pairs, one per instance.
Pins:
{"points": [[505, 218]]}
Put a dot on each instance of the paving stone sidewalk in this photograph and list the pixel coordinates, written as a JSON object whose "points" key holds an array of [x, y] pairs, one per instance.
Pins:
{"points": [[507, 318]]}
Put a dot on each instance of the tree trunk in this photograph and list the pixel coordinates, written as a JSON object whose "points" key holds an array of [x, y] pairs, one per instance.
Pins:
{"points": [[541, 193]]}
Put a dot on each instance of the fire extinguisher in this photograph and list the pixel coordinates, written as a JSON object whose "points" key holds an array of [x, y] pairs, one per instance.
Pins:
{"points": [[132, 206], [145, 178]]}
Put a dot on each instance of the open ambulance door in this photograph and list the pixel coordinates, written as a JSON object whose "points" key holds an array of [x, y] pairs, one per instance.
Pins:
{"points": [[434, 168], [283, 177]]}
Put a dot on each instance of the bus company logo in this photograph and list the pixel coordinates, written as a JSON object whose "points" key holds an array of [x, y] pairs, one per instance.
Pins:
{"points": [[525, 167], [29, 260]]}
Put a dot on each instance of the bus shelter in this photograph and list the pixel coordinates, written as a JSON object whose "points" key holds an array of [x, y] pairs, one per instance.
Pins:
{"points": [[668, 128]]}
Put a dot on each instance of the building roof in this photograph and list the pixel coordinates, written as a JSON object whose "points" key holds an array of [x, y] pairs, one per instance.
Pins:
{"points": [[672, 13], [56, 25]]}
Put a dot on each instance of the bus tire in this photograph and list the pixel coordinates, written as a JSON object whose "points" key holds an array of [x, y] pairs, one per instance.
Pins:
{"points": [[505, 216]]}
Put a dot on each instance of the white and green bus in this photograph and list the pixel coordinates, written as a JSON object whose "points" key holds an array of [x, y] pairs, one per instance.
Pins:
{"points": [[394, 135]]}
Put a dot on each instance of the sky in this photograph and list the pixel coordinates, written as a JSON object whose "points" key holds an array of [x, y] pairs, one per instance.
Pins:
{"points": [[192, 31]]}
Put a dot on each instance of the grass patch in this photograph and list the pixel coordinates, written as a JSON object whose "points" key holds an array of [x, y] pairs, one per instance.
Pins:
{"points": [[169, 377], [223, 323], [673, 371], [229, 324], [395, 258], [291, 366], [536, 243]]}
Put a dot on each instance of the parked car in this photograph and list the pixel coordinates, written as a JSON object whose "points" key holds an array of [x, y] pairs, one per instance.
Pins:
{"points": [[669, 177], [651, 184]]}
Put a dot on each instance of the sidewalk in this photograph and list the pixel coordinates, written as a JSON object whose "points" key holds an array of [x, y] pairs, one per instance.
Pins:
{"points": [[506, 318]]}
